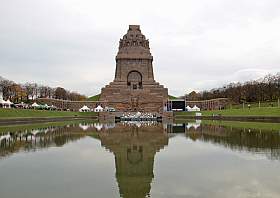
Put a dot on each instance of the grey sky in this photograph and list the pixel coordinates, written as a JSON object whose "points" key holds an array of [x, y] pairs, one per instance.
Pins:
{"points": [[73, 43]]}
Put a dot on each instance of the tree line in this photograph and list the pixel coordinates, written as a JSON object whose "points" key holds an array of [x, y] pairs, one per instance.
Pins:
{"points": [[261, 90], [26, 92]]}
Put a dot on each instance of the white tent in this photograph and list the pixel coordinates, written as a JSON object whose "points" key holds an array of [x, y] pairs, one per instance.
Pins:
{"points": [[46, 106], [1, 99], [53, 107], [35, 105], [188, 108], [195, 108], [138, 114], [84, 109], [3, 102], [98, 109], [9, 103]]}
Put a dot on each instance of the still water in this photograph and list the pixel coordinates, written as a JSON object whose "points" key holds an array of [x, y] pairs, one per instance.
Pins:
{"points": [[138, 160]]}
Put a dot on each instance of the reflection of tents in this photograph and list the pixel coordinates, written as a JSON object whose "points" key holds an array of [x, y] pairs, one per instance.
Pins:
{"points": [[98, 126], [98, 109], [84, 126], [194, 125], [84, 109], [5, 137]]}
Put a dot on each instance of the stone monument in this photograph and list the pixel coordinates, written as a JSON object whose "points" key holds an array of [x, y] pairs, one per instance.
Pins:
{"points": [[134, 87]]}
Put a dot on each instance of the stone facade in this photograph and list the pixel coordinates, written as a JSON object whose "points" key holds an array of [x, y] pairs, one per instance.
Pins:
{"points": [[134, 87]]}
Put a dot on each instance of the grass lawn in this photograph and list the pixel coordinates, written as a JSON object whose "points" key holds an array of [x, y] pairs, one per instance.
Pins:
{"points": [[256, 104], [31, 113], [172, 97], [94, 98], [255, 111]]}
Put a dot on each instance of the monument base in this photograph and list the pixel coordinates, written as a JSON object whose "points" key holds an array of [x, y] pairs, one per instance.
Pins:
{"points": [[150, 98]]}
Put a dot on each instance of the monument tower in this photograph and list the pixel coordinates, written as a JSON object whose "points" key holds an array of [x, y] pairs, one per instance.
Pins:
{"points": [[134, 87]]}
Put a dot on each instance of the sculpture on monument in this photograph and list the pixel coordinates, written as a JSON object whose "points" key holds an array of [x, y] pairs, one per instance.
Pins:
{"points": [[134, 87]]}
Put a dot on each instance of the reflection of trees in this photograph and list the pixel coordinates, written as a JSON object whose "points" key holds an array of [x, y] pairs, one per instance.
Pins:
{"points": [[251, 140], [36, 139], [134, 149]]}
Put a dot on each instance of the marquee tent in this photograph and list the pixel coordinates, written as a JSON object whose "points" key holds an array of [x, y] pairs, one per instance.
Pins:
{"points": [[9, 103], [84, 109], [3, 103], [98, 109], [195, 108], [188, 108], [35, 105]]}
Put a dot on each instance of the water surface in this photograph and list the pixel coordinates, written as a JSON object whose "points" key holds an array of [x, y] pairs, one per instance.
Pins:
{"points": [[139, 160]]}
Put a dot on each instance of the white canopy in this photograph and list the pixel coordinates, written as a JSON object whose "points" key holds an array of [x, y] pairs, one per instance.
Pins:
{"points": [[138, 114], [1, 98], [195, 108], [35, 105], [2, 101], [9, 102], [98, 109], [46, 106], [84, 108]]}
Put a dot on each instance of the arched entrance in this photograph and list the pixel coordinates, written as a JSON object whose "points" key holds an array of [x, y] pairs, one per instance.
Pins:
{"points": [[134, 80]]}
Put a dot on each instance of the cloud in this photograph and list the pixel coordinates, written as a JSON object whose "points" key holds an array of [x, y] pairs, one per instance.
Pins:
{"points": [[196, 44]]}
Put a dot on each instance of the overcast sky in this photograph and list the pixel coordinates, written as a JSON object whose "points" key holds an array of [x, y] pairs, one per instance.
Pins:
{"points": [[196, 44]]}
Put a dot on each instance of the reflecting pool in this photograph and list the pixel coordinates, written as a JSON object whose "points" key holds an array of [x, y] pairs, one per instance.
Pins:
{"points": [[139, 159]]}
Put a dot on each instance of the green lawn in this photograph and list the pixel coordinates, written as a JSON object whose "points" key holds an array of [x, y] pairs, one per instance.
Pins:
{"points": [[31, 113], [255, 111], [94, 98], [255, 104], [172, 97]]}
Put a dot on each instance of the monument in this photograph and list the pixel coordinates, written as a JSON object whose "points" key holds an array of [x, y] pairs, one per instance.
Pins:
{"points": [[134, 87]]}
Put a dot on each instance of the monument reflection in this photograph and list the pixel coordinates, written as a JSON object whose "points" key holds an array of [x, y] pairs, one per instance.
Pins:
{"points": [[134, 148]]}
